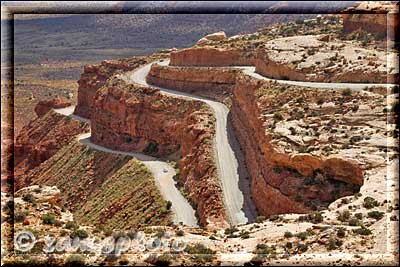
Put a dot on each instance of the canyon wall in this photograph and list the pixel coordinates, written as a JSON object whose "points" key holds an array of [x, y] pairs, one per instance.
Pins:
{"points": [[380, 25], [277, 178], [213, 57], [41, 139], [135, 118], [94, 76], [209, 82]]}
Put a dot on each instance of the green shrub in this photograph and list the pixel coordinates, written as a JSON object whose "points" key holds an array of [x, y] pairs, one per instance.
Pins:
{"points": [[377, 215], [333, 243], [80, 233], [341, 232], [48, 218], [288, 234], [302, 235], [362, 231], [29, 198], [370, 202], [302, 247], [75, 260], [346, 92], [344, 216], [71, 225], [354, 222], [200, 252]]}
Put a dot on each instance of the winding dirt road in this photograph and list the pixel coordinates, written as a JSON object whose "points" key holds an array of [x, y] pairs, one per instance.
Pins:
{"points": [[239, 210], [162, 172], [239, 206]]}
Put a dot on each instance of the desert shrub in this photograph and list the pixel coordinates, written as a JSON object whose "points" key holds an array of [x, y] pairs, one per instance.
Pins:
{"points": [[346, 92], [333, 243], [48, 218], [354, 222], [302, 235], [370, 202], [358, 216], [29, 198], [314, 217], [298, 197], [288, 234], [200, 252], [71, 225], [302, 247], [344, 216], [168, 205], [161, 260], [230, 232], [377, 215], [362, 231], [75, 260], [80, 233], [341, 232]]}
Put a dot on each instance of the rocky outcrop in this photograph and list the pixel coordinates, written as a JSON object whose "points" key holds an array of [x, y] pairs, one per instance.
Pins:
{"points": [[210, 82], [283, 182], [208, 56], [45, 105], [378, 18], [134, 118], [217, 36], [94, 77], [42, 138]]}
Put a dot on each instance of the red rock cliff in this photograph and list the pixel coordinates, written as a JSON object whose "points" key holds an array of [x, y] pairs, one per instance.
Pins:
{"points": [[277, 178], [211, 57], [134, 118]]}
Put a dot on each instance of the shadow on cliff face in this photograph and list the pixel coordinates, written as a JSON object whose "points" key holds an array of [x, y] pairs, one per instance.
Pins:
{"points": [[244, 177]]}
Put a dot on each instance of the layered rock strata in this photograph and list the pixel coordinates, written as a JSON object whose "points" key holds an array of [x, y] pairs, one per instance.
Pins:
{"points": [[284, 181], [94, 76], [209, 82], [42, 138], [213, 57], [135, 118]]}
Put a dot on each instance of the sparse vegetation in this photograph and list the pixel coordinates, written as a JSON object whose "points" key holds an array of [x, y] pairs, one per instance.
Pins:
{"points": [[48, 218], [370, 202]]}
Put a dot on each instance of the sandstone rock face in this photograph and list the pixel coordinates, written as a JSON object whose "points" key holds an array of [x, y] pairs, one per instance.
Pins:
{"points": [[383, 24], [217, 36], [45, 105], [134, 118], [42, 138], [210, 82], [94, 77], [281, 181], [208, 56]]}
